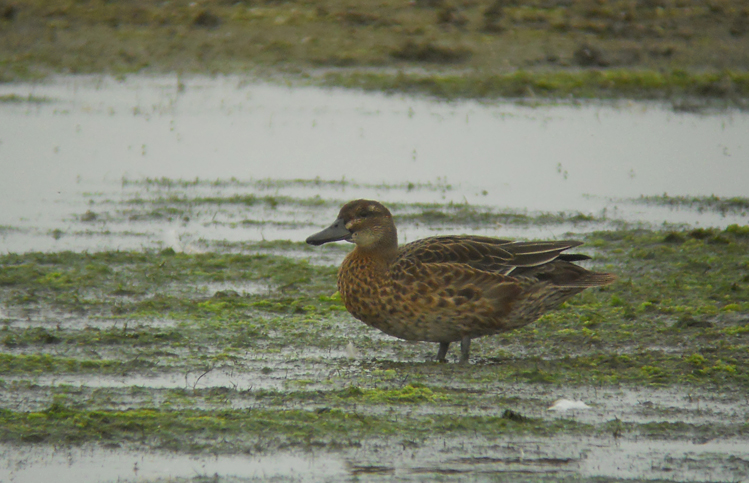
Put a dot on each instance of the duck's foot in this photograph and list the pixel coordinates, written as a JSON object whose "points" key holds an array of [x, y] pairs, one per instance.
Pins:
{"points": [[465, 349], [443, 351]]}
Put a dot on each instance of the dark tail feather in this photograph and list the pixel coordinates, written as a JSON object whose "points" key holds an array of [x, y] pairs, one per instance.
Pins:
{"points": [[592, 279], [573, 257]]}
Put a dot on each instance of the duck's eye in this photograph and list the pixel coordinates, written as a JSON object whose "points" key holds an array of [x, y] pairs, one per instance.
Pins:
{"points": [[364, 214]]}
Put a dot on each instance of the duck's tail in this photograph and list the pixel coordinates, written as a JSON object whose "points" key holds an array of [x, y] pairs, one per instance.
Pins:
{"points": [[564, 274], [591, 279]]}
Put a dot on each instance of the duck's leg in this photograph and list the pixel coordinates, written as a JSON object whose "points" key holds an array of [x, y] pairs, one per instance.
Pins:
{"points": [[465, 349], [443, 351]]}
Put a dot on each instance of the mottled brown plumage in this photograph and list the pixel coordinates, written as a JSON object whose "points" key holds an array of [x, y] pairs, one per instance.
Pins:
{"points": [[449, 288]]}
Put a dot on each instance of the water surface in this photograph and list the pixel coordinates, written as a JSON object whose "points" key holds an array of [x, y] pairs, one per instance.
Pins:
{"points": [[96, 131]]}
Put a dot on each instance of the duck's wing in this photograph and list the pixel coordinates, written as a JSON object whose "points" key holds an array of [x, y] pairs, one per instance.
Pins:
{"points": [[477, 281], [487, 254]]}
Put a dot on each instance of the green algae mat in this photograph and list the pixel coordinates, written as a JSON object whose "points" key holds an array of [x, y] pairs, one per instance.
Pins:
{"points": [[245, 349]]}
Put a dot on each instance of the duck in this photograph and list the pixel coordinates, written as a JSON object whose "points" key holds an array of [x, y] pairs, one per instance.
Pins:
{"points": [[447, 289]]}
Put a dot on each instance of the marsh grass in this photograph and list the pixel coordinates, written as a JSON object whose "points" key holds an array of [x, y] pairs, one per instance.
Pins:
{"points": [[671, 50], [614, 84]]}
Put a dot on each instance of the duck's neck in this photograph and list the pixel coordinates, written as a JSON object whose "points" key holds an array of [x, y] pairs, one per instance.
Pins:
{"points": [[384, 250]]}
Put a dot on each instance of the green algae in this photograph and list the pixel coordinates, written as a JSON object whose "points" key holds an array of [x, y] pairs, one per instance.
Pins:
{"points": [[67, 277], [229, 431], [275, 184], [89, 336], [255, 429], [241, 200], [680, 289], [46, 363], [409, 394], [700, 203], [676, 320], [160, 202], [475, 216]]}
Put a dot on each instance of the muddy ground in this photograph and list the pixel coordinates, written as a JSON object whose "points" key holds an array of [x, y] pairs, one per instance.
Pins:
{"points": [[214, 360], [663, 49], [240, 359]]}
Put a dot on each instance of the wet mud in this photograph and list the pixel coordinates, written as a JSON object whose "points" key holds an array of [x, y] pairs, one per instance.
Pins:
{"points": [[157, 328], [116, 361]]}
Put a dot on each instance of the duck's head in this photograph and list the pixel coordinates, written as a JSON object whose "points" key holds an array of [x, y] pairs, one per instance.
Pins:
{"points": [[364, 222]]}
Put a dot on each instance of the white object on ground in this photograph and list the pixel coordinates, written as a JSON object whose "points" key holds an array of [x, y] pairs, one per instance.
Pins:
{"points": [[351, 351], [566, 404]]}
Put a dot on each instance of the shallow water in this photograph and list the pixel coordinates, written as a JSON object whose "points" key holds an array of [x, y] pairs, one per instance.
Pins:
{"points": [[83, 465], [560, 456], [64, 157], [89, 149]]}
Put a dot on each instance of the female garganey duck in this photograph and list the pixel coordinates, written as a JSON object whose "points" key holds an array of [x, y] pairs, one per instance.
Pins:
{"points": [[449, 288]]}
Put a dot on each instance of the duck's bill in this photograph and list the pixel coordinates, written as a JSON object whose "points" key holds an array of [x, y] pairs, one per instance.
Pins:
{"points": [[335, 232]]}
